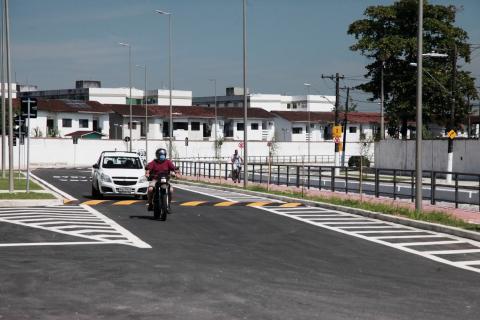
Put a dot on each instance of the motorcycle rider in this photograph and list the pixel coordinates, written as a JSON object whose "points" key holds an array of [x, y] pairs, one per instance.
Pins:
{"points": [[160, 165]]}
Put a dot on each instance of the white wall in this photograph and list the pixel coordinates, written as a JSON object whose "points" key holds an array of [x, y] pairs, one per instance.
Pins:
{"points": [[400, 154], [62, 152]]}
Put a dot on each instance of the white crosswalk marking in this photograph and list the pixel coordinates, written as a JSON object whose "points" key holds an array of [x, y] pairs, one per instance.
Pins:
{"points": [[439, 247], [78, 221]]}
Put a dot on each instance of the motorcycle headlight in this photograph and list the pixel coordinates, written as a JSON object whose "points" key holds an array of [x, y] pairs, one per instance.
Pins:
{"points": [[142, 179], [105, 178]]}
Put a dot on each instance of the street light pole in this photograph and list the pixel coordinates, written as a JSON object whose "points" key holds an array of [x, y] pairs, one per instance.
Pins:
{"points": [[245, 113], [145, 105], [382, 103], [2, 80], [452, 115], [170, 39], [216, 123], [418, 145], [130, 124], [308, 131], [10, 109]]}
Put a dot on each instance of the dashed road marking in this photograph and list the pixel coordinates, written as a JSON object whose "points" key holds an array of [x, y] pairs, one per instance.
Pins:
{"points": [[93, 202], [126, 202], [192, 203], [443, 248]]}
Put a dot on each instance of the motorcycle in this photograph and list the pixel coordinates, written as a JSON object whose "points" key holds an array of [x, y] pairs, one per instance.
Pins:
{"points": [[161, 197]]}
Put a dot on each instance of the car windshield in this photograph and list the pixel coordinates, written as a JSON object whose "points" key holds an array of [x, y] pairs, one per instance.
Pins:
{"points": [[117, 162]]}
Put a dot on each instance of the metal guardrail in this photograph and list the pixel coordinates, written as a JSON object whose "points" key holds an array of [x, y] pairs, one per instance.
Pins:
{"points": [[393, 183], [275, 159]]}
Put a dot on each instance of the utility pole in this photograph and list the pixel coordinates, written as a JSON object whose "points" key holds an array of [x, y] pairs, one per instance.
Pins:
{"points": [[452, 114], [337, 78], [345, 115]]}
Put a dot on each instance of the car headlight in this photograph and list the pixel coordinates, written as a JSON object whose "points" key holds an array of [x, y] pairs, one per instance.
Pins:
{"points": [[142, 179], [105, 178]]}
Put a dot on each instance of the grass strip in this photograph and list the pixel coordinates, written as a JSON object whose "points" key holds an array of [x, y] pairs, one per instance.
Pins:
{"points": [[19, 184], [26, 196], [439, 217]]}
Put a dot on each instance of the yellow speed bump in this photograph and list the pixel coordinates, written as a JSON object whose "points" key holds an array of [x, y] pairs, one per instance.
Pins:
{"points": [[192, 203], [126, 202], [65, 201], [225, 204], [258, 204], [290, 205], [93, 202]]}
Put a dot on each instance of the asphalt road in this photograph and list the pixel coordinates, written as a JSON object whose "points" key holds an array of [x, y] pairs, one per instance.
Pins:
{"points": [[221, 263]]}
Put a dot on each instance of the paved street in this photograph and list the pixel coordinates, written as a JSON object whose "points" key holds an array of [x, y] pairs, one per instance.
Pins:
{"points": [[229, 262]]}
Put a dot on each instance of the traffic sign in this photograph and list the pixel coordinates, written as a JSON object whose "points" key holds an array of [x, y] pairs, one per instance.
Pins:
{"points": [[241, 145], [452, 134], [337, 131], [336, 139], [33, 107]]}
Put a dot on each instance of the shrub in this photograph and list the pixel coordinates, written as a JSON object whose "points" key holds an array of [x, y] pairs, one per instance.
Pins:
{"points": [[354, 161]]}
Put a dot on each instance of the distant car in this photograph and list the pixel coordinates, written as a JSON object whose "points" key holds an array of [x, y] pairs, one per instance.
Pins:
{"points": [[119, 173]]}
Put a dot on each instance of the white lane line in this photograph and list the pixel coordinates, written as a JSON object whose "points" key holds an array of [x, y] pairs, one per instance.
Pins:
{"points": [[28, 244], [319, 215], [78, 226], [52, 187], [337, 223], [391, 231], [53, 219], [409, 244], [411, 237], [336, 218], [60, 223], [469, 263], [83, 231], [459, 251], [373, 227]]}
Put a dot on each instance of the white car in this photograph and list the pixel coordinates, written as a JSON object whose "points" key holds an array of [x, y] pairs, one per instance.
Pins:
{"points": [[119, 173]]}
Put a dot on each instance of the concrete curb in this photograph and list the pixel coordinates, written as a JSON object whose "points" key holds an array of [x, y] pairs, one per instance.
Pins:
{"points": [[30, 203], [376, 215]]}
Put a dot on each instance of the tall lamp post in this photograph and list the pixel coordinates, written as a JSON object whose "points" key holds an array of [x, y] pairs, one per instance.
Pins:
{"points": [[145, 105], [418, 145], [216, 123], [309, 134], [170, 36], [2, 81], [245, 113], [6, 25], [130, 123]]}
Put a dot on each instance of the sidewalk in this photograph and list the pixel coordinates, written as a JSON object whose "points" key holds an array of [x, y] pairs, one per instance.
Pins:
{"points": [[466, 215]]}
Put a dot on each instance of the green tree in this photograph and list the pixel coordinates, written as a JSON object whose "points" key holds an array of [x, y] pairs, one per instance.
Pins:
{"points": [[388, 36]]}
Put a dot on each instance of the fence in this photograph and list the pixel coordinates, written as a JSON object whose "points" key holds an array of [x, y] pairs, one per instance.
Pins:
{"points": [[394, 183], [275, 159]]}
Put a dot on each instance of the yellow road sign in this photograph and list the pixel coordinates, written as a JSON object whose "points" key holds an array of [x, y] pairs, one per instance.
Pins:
{"points": [[337, 131], [452, 134]]}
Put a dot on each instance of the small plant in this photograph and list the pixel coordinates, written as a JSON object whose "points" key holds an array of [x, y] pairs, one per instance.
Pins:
{"points": [[217, 145], [356, 161]]}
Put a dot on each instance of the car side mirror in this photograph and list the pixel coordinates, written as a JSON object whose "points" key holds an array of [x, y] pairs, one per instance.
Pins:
{"points": [[95, 166]]}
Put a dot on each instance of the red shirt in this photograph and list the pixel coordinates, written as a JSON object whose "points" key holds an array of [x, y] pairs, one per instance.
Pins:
{"points": [[156, 167]]}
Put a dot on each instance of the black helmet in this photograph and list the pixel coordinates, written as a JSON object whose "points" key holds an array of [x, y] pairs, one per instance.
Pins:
{"points": [[161, 154]]}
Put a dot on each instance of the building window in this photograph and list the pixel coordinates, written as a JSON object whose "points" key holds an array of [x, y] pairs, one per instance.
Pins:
{"points": [[83, 123], [67, 123], [352, 129], [288, 105], [294, 106], [254, 126], [180, 126], [195, 126], [134, 126], [240, 126], [297, 130]]}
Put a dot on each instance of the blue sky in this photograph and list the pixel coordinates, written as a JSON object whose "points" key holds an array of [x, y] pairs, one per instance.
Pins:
{"points": [[55, 42]]}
